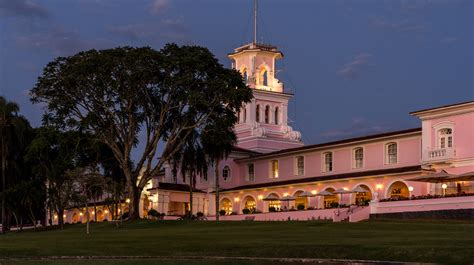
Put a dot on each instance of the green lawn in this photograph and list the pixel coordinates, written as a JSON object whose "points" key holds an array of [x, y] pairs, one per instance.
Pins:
{"points": [[423, 241]]}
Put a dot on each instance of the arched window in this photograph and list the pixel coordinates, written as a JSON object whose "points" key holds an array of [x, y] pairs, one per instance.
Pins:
{"points": [[249, 203], [226, 173], [276, 116], [358, 157], [328, 162], [445, 138], [267, 114], [226, 205], [257, 114], [391, 153], [265, 78]]}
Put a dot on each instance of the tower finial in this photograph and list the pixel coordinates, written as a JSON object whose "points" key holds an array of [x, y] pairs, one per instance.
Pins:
{"points": [[255, 7]]}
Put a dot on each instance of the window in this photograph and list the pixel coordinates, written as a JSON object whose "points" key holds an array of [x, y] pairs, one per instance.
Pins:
{"points": [[276, 116], [244, 115], [299, 165], [238, 116], [445, 138], [245, 76], [250, 172], [328, 162], [267, 114], [274, 169], [358, 157], [391, 153], [257, 114], [226, 173], [265, 78]]}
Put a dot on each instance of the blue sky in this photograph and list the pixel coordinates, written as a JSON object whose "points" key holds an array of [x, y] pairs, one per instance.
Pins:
{"points": [[355, 67]]}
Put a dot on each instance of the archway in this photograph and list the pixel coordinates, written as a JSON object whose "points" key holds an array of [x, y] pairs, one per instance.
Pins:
{"points": [[274, 205], [100, 216], [398, 190], [300, 200], [362, 198], [331, 201], [226, 205], [250, 203]]}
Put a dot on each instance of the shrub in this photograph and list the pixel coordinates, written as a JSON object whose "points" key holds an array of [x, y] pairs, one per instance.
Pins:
{"points": [[272, 209], [153, 213], [233, 213], [245, 211], [125, 215], [257, 211], [222, 212], [300, 207], [199, 214], [334, 205], [310, 208]]}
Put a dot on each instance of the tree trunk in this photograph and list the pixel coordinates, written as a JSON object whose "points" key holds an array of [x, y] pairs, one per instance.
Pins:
{"points": [[60, 212], [134, 207], [16, 221], [191, 182], [217, 189], [32, 216], [95, 212], [87, 219]]}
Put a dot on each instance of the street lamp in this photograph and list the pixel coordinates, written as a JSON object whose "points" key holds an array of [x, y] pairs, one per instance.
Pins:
{"points": [[444, 186]]}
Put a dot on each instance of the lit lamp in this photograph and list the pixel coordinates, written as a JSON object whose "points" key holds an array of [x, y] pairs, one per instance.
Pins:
{"points": [[314, 192], [260, 197], [378, 186], [410, 188], [444, 186], [236, 199], [285, 194], [127, 200]]}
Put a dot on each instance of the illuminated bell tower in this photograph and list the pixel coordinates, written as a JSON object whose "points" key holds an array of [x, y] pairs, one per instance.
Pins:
{"points": [[263, 123]]}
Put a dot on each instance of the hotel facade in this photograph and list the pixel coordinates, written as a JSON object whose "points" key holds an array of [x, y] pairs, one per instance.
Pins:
{"points": [[273, 175]]}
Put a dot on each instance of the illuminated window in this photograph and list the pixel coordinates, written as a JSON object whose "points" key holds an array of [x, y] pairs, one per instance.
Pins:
{"points": [[274, 169], [328, 162], [358, 157], [391, 153]]}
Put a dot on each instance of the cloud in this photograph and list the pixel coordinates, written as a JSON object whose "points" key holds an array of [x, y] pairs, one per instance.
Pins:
{"points": [[352, 69], [59, 42], [357, 127], [158, 6], [25, 8]]}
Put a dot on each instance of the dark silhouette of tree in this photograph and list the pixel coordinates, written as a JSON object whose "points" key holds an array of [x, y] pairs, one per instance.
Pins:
{"points": [[133, 99]]}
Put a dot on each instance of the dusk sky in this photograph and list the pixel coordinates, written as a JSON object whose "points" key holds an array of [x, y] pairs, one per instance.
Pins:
{"points": [[355, 67]]}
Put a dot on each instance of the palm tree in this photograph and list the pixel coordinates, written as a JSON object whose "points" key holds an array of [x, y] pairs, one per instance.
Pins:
{"points": [[13, 129]]}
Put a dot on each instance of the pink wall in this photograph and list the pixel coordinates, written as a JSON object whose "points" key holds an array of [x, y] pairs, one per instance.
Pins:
{"points": [[466, 202]]}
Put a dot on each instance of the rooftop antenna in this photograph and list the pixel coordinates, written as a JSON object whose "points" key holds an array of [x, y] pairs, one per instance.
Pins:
{"points": [[255, 7]]}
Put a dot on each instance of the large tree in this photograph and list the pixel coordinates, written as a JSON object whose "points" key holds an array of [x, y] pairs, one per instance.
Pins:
{"points": [[15, 134], [134, 99]]}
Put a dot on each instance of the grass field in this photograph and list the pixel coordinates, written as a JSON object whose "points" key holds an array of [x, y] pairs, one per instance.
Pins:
{"points": [[423, 241]]}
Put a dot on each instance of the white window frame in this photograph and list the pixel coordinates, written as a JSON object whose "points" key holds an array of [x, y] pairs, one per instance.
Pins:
{"points": [[324, 167], [296, 168], [387, 155], [354, 157], [444, 137], [250, 177], [229, 174]]}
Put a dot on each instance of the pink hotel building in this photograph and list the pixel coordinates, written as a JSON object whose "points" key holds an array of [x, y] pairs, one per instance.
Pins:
{"points": [[272, 175], [271, 168]]}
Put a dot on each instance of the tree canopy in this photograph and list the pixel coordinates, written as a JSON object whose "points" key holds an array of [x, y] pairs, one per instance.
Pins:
{"points": [[135, 99]]}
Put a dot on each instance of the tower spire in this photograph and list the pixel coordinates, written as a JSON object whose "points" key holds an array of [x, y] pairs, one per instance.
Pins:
{"points": [[255, 7]]}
